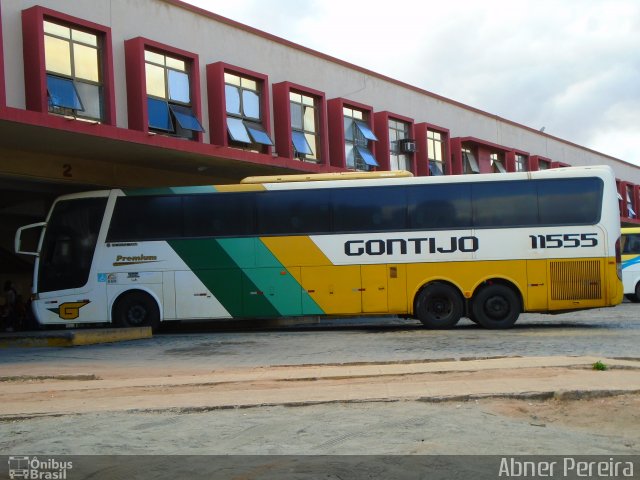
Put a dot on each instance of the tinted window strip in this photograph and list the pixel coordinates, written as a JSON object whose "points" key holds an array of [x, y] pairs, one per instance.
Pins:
{"points": [[369, 209]]}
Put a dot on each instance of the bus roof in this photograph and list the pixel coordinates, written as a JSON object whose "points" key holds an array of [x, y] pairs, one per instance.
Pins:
{"points": [[350, 179], [360, 179], [314, 177]]}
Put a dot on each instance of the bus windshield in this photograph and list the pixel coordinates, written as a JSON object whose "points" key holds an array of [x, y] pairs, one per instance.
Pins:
{"points": [[69, 243]]}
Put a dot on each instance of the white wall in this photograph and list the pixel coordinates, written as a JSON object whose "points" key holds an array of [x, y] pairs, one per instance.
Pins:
{"points": [[215, 41]]}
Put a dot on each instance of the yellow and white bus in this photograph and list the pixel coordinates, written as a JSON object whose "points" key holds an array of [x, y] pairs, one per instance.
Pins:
{"points": [[631, 263], [487, 247]]}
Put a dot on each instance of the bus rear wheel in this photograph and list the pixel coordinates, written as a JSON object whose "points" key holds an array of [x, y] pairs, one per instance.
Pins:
{"points": [[496, 306], [439, 306], [136, 309]]}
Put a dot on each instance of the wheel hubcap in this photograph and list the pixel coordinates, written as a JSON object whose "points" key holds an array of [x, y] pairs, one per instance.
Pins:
{"points": [[137, 314], [439, 307], [497, 307]]}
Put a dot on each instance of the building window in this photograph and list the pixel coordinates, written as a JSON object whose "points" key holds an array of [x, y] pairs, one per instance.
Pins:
{"points": [[497, 163], [630, 210], [244, 115], [543, 165], [469, 161], [169, 96], [435, 152], [399, 159], [521, 163], [304, 127], [74, 74], [357, 135]]}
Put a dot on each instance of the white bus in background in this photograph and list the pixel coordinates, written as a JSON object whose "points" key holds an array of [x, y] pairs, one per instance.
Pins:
{"points": [[631, 263]]}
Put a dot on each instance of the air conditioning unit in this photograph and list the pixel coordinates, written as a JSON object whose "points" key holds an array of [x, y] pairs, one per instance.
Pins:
{"points": [[407, 145]]}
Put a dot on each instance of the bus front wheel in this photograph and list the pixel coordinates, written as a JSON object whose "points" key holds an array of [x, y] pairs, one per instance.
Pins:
{"points": [[439, 306], [496, 306], [634, 297], [136, 309]]}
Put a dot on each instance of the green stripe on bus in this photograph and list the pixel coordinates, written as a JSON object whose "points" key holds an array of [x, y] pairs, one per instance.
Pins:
{"points": [[198, 189], [132, 192], [229, 283], [271, 277]]}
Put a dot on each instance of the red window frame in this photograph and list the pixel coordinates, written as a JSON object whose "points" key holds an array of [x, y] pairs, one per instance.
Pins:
{"points": [[336, 128], [510, 160], [35, 74], [282, 119], [482, 151], [383, 145], [422, 153], [134, 49], [218, 105], [622, 191], [534, 162]]}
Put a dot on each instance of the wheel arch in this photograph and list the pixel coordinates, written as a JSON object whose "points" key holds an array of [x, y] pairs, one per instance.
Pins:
{"points": [[132, 291], [500, 281], [424, 285]]}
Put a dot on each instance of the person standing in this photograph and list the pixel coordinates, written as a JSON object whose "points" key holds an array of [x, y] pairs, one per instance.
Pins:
{"points": [[10, 296]]}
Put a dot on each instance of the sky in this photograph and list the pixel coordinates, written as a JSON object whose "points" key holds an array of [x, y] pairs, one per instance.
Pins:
{"points": [[570, 66]]}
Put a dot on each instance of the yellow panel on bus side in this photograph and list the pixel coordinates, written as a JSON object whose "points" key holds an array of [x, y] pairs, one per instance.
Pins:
{"points": [[537, 285], [374, 288], [336, 289]]}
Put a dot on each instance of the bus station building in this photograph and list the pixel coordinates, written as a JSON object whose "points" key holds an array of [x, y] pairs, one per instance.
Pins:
{"points": [[105, 94]]}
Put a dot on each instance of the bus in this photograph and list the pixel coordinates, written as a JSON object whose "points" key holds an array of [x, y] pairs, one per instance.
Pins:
{"points": [[487, 247], [631, 263]]}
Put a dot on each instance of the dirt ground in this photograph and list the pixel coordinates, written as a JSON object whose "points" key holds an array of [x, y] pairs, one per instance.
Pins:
{"points": [[617, 415], [553, 406]]}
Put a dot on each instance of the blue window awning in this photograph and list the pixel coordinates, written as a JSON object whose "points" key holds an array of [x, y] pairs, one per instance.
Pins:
{"points": [[367, 156], [186, 118], [365, 130], [63, 93], [300, 143], [435, 169], [258, 133], [247, 132], [237, 130]]}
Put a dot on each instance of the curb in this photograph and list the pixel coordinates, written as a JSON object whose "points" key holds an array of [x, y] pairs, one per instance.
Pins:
{"points": [[72, 338]]}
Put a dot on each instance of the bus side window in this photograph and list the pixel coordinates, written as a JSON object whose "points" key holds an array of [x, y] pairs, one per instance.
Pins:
{"points": [[631, 244], [439, 206]]}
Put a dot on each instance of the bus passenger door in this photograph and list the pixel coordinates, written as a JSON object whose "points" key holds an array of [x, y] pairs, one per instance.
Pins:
{"points": [[397, 288], [374, 288], [335, 289]]}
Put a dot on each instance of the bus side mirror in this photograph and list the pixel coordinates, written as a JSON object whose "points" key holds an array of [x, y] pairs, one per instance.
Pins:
{"points": [[18, 239]]}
